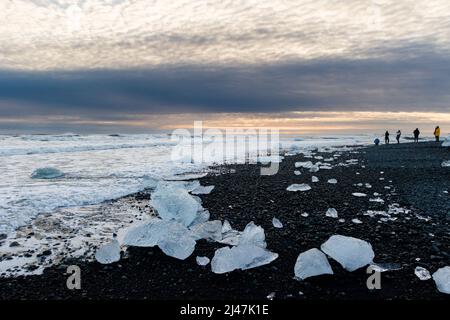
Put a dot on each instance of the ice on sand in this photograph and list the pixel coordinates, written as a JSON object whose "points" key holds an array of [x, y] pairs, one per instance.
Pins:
{"points": [[202, 261], [314, 179], [242, 257], [311, 263], [351, 253], [359, 194], [306, 165], [108, 253], [210, 230], [277, 223], [299, 187], [442, 279], [357, 221], [446, 164], [229, 235], [173, 202], [332, 181], [332, 213], [173, 238], [253, 235], [422, 273], [297, 172], [47, 173], [203, 190]]}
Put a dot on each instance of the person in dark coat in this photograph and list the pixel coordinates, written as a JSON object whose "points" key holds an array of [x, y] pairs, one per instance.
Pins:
{"points": [[416, 135], [386, 137], [399, 134]]}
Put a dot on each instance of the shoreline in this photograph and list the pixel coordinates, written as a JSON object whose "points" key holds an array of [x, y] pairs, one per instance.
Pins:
{"points": [[418, 184]]}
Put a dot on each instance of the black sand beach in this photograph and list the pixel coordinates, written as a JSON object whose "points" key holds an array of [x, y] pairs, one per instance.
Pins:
{"points": [[412, 178]]}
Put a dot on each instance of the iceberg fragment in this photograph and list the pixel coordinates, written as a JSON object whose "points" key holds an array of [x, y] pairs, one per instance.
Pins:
{"points": [[108, 253], [171, 237], [442, 279], [422, 273], [306, 165], [242, 257], [311, 263], [351, 253], [47, 173], [202, 261], [210, 230], [446, 164], [253, 235], [332, 213], [314, 179], [359, 194], [298, 187], [332, 181], [277, 223], [175, 203]]}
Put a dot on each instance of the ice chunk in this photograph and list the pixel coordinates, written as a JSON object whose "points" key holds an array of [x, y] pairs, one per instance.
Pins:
{"points": [[229, 236], [307, 164], [173, 238], [357, 221], [297, 172], [277, 223], [305, 215], [47, 173], [359, 194], [442, 279], [253, 235], [332, 181], [314, 179], [108, 253], [202, 261], [203, 190], [226, 227], [422, 273], [178, 242], [446, 164], [299, 187], [210, 230], [351, 253], [243, 257], [314, 168], [332, 213], [311, 263], [146, 234], [175, 203]]}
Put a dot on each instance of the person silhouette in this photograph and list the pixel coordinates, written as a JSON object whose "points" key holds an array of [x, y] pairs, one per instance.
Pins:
{"points": [[399, 134], [416, 135], [386, 137]]}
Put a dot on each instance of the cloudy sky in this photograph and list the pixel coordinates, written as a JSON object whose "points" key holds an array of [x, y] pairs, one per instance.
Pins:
{"points": [[302, 65]]}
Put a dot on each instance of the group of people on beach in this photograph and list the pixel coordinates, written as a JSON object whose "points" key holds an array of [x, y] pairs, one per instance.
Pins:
{"points": [[416, 133]]}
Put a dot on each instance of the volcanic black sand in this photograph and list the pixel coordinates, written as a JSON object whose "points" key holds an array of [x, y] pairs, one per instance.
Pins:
{"points": [[416, 180]]}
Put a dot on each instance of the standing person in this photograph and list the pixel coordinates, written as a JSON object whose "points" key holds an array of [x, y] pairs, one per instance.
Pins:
{"points": [[416, 135], [386, 137], [399, 134], [437, 133]]}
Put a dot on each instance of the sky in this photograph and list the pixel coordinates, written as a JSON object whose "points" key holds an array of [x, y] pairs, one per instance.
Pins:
{"points": [[305, 66]]}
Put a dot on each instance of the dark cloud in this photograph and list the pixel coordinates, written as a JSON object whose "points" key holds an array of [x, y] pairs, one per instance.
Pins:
{"points": [[415, 84]]}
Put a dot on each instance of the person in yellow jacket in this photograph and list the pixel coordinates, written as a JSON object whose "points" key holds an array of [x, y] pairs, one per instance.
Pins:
{"points": [[437, 133]]}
